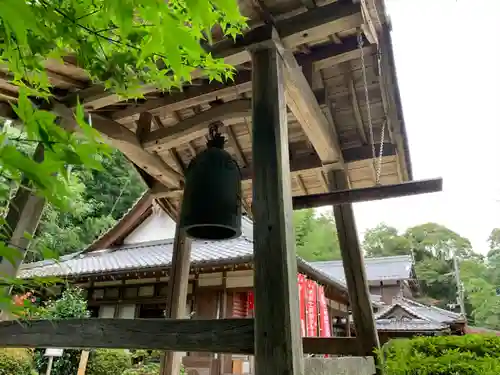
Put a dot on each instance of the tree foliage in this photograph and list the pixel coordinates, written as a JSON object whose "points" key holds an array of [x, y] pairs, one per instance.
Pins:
{"points": [[101, 198], [122, 45], [108, 361], [71, 304], [433, 248], [316, 236], [443, 355], [16, 361]]}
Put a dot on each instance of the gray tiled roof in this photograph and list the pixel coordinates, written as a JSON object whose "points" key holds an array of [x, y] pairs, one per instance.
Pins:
{"points": [[377, 269], [420, 311], [409, 325], [152, 254], [158, 254]]}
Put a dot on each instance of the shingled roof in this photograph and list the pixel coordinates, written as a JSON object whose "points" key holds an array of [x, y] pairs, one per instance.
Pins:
{"points": [[420, 317], [377, 269], [154, 255]]}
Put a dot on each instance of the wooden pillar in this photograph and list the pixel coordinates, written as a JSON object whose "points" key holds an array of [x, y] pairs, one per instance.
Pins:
{"points": [[23, 216], [354, 268], [278, 345], [227, 359], [177, 295]]}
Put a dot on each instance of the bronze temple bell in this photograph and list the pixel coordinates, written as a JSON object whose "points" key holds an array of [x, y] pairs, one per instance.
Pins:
{"points": [[211, 207]]}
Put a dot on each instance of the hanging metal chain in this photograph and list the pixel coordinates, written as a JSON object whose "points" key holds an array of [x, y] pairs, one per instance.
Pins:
{"points": [[378, 168]]}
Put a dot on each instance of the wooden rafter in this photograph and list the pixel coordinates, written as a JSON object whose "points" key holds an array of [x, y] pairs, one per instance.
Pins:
{"points": [[195, 126], [303, 104], [126, 141], [353, 96]]}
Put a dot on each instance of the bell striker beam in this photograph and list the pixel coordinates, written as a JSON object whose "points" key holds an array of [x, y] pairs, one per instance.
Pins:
{"points": [[278, 345], [352, 259]]}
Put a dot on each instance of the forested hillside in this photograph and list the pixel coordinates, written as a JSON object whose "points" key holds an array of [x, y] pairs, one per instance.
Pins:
{"points": [[433, 247]]}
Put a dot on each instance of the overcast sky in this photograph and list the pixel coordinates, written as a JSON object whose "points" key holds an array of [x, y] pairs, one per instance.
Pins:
{"points": [[447, 59]]}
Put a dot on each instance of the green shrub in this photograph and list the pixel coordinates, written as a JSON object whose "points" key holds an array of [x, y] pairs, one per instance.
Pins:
{"points": [[16, 361], [443, 355], [108, 362], [148, 369]]}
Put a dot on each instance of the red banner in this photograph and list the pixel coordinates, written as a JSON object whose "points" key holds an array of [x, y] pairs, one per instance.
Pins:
{"points": [[251, 303], [324, 320], [312, 309], [301, 280]]}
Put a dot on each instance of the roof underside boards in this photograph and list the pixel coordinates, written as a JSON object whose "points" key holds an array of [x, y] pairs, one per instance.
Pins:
{"points": [[326, 42], [377, 269]]}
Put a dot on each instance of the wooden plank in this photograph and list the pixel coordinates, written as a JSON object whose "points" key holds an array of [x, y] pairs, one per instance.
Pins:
{"points": [[195, 126], [223, 335], [278, 348], [354, 269], [23, 215], [82, 365], [373, 193], [217, 335], [177, 291]]}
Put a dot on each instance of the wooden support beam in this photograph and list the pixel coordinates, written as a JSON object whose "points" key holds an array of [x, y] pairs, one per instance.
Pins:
{"points": [[195, 126], [143, 125], [354, 269], [217, 335], [326, 55], [191, 96], [306, 27], [278, 348], [368, 194], [126, 141], [353, 98], [302, 163], [303, 104], [23, 215], [319, 57], [372, 20], [177, 291]]}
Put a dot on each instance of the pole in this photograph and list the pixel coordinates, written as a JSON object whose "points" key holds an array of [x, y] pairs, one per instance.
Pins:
{"points": [[460, 287], [49, 365]]}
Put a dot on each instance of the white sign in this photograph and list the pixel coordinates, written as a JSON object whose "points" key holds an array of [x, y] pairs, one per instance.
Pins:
{"points": [[53, 352]]}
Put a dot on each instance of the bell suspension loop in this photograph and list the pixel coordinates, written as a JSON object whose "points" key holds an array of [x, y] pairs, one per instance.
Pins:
{"points": [[215, 139]]}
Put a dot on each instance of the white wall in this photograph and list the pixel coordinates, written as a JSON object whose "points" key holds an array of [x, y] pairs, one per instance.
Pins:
{"points": [[159, 226]]}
